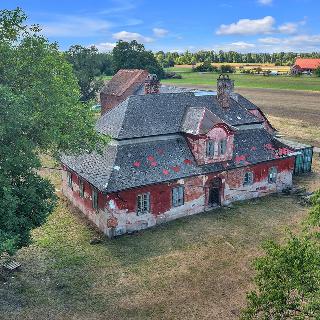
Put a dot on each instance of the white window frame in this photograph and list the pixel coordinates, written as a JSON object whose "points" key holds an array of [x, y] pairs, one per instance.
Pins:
{"points": [[272, 175], [143, 203], [95, 196], [81, 188], [210, 148], [69, 179], [222, 147], [177, 196], [248, 178]]}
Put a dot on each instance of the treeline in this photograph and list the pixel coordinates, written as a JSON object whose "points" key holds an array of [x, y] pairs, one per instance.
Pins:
{"points": [[169, 59]]}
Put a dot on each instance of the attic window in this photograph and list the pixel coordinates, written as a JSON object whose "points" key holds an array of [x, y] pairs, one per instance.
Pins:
{"points": [[272, 176], [210, 148], [143, 203], [222, 147], [248, 179]]}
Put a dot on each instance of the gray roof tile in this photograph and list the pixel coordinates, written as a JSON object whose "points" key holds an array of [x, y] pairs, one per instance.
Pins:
{"points": [[158, 114]]}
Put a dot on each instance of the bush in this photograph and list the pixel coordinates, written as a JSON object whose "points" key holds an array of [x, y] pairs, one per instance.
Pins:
{"points": [[172, 75], [227, 69], [205, 67], [317, 72]]}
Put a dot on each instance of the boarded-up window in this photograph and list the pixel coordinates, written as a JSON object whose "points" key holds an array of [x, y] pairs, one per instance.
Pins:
{"points": [[222, 146], [210, 148], [94, 199], [178, 196], [248, 179], [81, 188], [272, 177], [143, 203], [69, 178]]}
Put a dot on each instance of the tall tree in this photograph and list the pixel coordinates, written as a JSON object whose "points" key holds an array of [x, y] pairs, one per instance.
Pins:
{"points": [[40, 111], [133, 55], [87, 66]]}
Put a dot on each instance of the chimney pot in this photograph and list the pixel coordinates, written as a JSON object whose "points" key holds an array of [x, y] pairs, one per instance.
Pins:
{"points": [[224, 90], [152, 84]]}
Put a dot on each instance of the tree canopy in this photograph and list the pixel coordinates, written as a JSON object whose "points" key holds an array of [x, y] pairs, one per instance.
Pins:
{"points": [[40, 112], [288, 275], [88, 64], [133, 55]]}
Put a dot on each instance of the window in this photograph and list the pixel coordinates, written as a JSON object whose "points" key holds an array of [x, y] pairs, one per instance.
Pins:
{"points": [[69, 178], [94, 199], [143, 203], [272, 177], [222, 147], [248, 179], [210, 148], [178, 196], [81, 188]]}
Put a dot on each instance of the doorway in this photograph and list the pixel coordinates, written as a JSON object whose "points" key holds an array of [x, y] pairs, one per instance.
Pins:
{"points": [[214, 193]]}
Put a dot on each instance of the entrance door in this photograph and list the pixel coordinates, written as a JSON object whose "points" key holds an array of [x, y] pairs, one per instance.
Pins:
{"points": [[214, 193]]}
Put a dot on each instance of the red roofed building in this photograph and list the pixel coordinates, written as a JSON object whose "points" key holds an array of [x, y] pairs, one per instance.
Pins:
{"points": [[120, 87], [305, 65]]}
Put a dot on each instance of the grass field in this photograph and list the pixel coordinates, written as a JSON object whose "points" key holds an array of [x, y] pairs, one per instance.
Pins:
{"points": [[245, 80], [197, 267]]}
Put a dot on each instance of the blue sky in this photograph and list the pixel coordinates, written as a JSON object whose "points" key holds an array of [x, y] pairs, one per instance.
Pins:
{"points": [[243, 25]]}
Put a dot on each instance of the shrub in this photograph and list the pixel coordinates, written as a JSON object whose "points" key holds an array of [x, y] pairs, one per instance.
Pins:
{"points": [[227, 69], [172, 75], [205, 67]]}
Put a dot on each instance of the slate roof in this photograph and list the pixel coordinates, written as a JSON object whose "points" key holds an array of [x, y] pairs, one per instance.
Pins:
{"points": [[158, 114], [245, 102], [134, 164], [123, 80], [198, 120]]}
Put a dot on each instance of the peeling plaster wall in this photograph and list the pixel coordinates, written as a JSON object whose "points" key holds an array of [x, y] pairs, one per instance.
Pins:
{"points": [[117, 215]]}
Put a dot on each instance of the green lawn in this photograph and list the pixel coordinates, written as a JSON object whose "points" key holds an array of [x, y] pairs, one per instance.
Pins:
{"points": [[246, 81]]}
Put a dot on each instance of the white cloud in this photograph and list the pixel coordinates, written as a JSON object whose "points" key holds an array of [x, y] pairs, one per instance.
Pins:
{"points": [[159, 32], [242, 45], [74, 26], [265, 2], [248, 27], [299, 40], [129, 36], [288, 28], [270, 40], [104, 46]]}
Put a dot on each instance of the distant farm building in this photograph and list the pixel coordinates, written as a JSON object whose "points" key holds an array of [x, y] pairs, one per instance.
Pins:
{"points": [[305, 65], [176, 152]]}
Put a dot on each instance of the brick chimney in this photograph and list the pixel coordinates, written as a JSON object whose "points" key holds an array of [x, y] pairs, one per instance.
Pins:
{"points": [[224, 90], [152, 84]]}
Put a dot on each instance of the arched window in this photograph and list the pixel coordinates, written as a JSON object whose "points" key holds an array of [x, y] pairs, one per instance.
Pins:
{"points": [[210, 148], [222, 146], [272, 176], [248, 179]]}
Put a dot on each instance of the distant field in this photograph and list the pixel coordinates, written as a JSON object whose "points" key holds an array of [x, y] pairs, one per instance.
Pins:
{"points": [[245, 80]]}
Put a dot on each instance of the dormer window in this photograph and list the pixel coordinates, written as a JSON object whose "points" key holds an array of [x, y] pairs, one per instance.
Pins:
{"points": [[222, 146], [210, 148]]}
